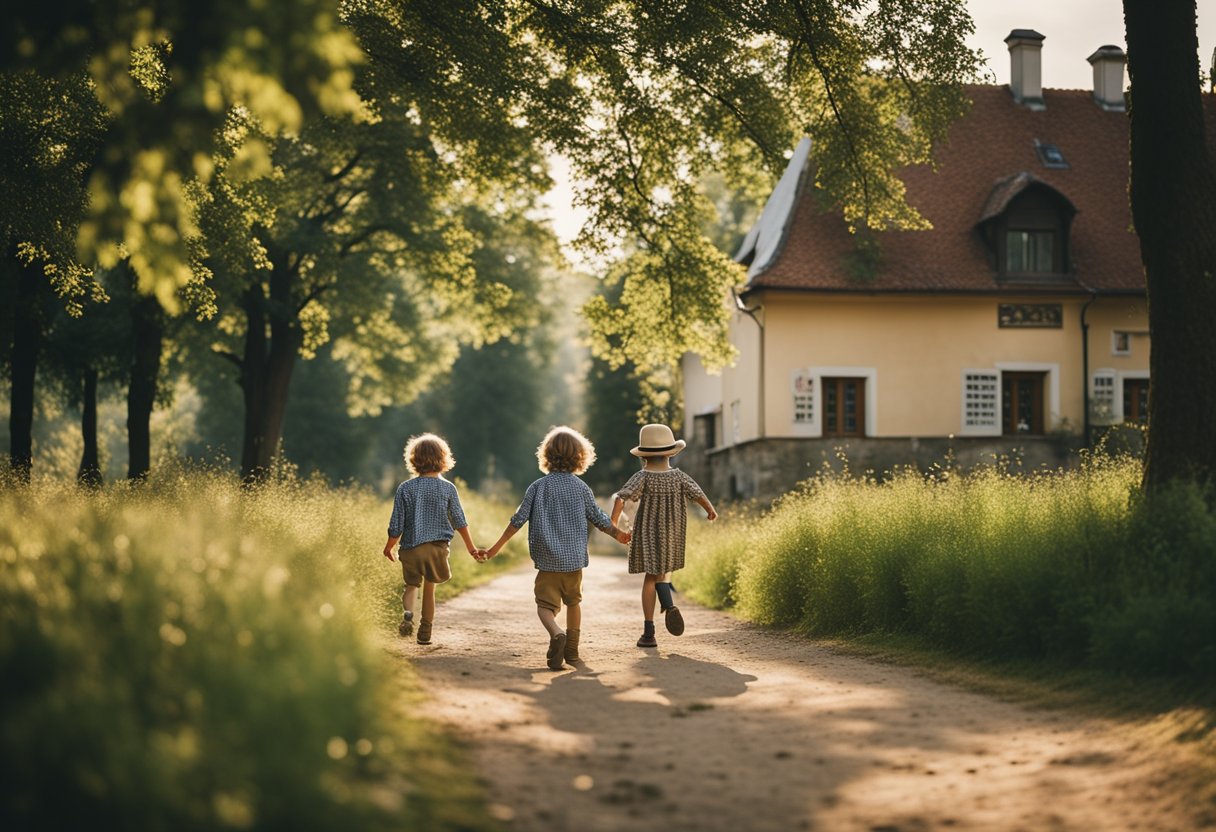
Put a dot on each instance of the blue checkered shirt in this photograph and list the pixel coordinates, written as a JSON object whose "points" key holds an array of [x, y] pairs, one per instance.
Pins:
{"points": [[425, 509], [558, 508]]}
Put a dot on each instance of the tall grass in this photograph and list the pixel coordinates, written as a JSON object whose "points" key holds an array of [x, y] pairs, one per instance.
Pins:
{"points": [[1072, 564], [191, 655]]}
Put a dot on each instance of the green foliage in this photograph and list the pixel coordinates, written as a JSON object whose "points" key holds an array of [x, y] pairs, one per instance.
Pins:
{"points": [[649, 99], [1065, 565], [193, 655]]}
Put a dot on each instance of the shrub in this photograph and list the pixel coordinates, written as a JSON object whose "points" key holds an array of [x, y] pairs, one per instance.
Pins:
{"points": [[189, 654], [1068, 564]]}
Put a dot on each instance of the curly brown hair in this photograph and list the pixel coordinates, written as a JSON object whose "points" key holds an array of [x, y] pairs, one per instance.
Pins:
{"points": [[427, 453], [565, 450]]}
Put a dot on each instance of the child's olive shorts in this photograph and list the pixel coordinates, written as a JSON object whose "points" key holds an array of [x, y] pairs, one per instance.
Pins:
{"points": [[426, 560], [556, 588]]}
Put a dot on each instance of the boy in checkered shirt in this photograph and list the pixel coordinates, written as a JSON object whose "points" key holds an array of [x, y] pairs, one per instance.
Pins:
{"points": [[426, 514], [557, 508]]}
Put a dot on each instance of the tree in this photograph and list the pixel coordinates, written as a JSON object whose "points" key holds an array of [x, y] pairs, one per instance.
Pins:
{"points": [[357, 235], [110, 112], [646, 98], [1173, 197]]}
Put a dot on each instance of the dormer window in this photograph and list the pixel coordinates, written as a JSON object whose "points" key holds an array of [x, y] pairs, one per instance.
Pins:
{"points": [[1029, 252], [1025, 224]]}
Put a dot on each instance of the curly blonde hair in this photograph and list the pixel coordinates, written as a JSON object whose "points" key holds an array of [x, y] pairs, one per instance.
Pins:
{"points": [[565, 450], [427, 453]]}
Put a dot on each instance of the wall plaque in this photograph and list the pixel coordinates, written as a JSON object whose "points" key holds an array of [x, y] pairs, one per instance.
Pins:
{"points": [[1035, 315]]}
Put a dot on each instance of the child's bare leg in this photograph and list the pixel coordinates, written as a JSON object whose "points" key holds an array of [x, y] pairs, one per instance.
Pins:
{"points": [[407, 599], [648, 596], [549, 618]]}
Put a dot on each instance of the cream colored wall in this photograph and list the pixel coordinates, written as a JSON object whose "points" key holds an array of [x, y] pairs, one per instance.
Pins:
{"points": [[702, 392], [914, 349], [741, 382]]}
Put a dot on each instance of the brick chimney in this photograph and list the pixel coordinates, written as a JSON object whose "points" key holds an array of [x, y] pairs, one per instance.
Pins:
{"points": [[1026, 77], [1108, 64]]}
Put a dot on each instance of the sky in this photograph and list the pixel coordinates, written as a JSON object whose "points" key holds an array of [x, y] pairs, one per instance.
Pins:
{"points": [[1073, 30]]}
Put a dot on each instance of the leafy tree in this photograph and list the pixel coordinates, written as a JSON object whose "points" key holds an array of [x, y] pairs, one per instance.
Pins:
{"points": [[355, 235], [1173, 196], [109, 112], [646, 98]]}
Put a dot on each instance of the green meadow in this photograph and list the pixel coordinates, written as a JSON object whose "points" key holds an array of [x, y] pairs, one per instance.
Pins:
{"points": [[1075, 566], [190, 654]]}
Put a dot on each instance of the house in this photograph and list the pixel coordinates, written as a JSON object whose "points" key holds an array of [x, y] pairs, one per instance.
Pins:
{"points": [[1013, 327]]}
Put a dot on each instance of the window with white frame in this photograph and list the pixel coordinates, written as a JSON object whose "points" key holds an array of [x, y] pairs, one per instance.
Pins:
{"points": [[802, 385], [981, 402], [1120, 343], [1102, 409]]}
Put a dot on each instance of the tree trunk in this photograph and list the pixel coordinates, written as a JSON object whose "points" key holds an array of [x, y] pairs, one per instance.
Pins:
{"points": [[90, 461], [147, 328], [266, 372], [27, 340], [1173, 197]]}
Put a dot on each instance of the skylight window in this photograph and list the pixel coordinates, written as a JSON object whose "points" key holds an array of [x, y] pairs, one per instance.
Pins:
{"points": [[1050, 155]]}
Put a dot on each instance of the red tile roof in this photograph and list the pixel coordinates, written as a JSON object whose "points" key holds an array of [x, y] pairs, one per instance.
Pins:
{"points": [[988, 147]]}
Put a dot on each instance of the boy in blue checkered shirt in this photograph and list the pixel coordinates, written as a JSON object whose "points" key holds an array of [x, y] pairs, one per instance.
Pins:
{"points": [[426, 514], [558, 507]]}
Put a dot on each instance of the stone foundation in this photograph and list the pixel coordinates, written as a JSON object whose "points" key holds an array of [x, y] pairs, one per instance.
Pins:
{"points": [[763, 469]]}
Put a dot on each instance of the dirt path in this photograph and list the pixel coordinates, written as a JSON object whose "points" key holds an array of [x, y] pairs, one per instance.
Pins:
{"points": [[733, 727]]}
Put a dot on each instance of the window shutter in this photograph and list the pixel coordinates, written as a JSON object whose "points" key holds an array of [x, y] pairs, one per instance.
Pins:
{"points": [[802, 385], [1102, 407], [981, 403]]}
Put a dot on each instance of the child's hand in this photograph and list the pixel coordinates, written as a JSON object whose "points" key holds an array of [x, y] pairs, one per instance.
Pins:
{"points": [[486, 554], [622, 536], [711, 514], [388, 552]]}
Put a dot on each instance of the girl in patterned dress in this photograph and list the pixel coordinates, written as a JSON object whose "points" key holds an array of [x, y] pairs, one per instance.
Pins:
{"points": [[659, 525]]}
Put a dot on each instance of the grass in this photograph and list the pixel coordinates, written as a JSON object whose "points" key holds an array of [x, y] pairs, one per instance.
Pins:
{"points": [[1072, 566], [188, 654]]}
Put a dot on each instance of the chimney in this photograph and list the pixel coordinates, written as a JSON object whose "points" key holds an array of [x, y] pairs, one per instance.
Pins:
{"points": [[1026, 77], [1108, 64]]}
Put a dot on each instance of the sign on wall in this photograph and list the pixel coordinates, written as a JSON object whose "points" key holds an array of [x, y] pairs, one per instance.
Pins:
{"points": [[1030, 315]]}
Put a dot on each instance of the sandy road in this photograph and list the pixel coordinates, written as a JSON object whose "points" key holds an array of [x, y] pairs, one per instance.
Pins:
{"points": [[734, 727]]}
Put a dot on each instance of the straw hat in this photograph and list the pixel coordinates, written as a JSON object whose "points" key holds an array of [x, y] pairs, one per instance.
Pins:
{"points": [[657, 440]]}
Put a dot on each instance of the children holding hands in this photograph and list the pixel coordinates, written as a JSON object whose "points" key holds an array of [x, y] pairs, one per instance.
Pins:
{"points": [[426, 514], [558, 507]]}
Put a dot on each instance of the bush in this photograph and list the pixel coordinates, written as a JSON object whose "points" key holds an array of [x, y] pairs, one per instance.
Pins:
{"points": [[191, 655], [1071, 565]]}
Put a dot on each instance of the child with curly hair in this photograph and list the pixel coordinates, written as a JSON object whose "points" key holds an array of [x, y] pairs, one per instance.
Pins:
{"points": [[558, 507], [426, 513]]}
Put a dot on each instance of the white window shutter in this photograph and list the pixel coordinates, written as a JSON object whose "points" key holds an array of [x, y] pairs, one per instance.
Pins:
{"points": [[981, 403], [1104, 409]]}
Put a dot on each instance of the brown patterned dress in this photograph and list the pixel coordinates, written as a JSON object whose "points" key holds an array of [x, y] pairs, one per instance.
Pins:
{"points": [[661, 519]]}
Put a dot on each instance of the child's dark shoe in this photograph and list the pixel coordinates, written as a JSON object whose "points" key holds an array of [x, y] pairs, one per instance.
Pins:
{"points": [[673, 620], [424, 632], [571, 652], [406, 627], [648, 640], [557, 650]]}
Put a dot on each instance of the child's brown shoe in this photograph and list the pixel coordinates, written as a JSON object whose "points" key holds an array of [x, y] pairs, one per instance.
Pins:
{"points": [[571, 651], [673, 620], [557, 647], [648, 640], [406, 627], [424, 632]]}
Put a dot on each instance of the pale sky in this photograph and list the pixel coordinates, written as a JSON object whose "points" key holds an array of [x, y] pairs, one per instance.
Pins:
{"points": [[1073, 30]]}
